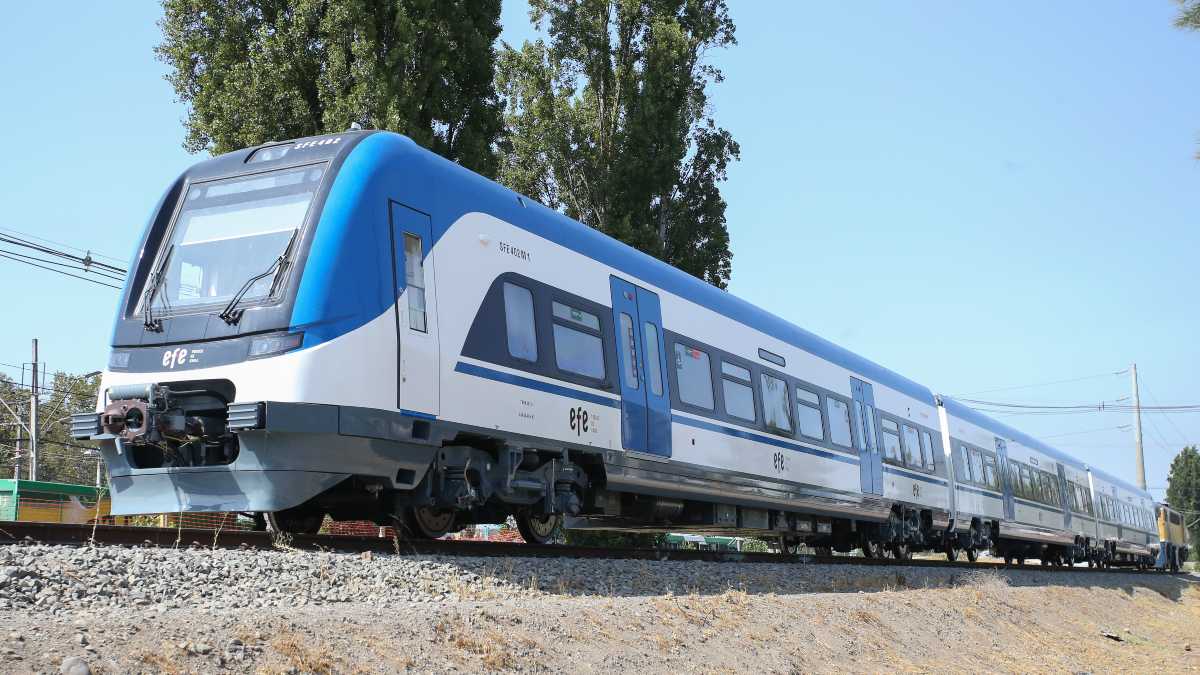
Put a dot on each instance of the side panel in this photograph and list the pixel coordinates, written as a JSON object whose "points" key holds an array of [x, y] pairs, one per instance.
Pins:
{"points": [[416, 311], [634, 412]]}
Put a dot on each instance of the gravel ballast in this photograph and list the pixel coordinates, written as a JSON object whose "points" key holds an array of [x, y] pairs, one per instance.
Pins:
{"points": [[160, 609]]}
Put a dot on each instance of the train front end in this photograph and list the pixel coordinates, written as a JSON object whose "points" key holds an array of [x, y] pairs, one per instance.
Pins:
{"points": [[258, 310]]}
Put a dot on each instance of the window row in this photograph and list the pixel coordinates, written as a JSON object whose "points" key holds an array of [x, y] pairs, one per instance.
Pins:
{"points": [[578, 343], [978, 467], [1034, 484], [1080, 498], [791, 409], [1125, 513]]}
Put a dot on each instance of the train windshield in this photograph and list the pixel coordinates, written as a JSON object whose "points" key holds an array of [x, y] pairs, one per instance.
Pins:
{"points": [[227, 232]]}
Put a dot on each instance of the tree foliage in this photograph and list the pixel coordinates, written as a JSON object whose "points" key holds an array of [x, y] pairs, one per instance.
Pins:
{"points": [[609, 121], [1189, 19], [1183, 489], [252, 71], [60, 458]]}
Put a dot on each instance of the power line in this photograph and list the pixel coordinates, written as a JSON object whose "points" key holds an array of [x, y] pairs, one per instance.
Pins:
{"points": [[59, 243], [1046, 384], [51, 269], [86, 260], [1122, 427]]}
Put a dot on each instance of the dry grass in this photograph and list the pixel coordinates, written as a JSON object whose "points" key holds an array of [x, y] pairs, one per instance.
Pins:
{"points": [[301, 655], [166, 659], [492, 648]]}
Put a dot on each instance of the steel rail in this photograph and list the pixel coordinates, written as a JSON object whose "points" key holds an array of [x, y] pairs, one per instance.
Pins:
{"points": [[19, 533]]}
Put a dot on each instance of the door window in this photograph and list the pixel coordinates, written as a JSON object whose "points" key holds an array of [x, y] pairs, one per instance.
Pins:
{"points": [[629, 350], [653, 361], [414, 279]]}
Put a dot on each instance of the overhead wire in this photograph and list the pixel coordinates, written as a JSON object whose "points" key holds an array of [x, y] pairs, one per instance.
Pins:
{"points": [[1044, 384], [28, 235]]}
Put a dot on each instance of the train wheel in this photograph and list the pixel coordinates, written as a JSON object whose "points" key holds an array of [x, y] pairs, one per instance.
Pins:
{"points": [[539, 528], [872, 549], [824, 551], [951, 552], [901, 552], [293, 521], [1020, 562], [972, 554], [425, 522], [1008, 560]]}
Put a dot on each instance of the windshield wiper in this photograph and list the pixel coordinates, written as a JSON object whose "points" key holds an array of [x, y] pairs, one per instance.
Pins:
{"points": [[156, 281], [231, 314]]}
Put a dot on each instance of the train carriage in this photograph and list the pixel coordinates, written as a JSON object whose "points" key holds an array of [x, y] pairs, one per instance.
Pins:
{"points": [[351, 325]]}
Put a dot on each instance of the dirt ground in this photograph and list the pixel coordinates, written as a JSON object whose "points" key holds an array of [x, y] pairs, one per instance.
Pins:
{"points": [[873, 623]]}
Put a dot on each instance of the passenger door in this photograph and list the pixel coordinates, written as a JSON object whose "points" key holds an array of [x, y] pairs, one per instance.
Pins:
{"points": [[1006, 482], [641, 362], [416, 315], [870, 458]]}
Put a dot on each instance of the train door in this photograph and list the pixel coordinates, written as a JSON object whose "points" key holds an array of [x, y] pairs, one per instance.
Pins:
{"points": [[870, 459], [416, 311], [641, 360], [1006, 488]]}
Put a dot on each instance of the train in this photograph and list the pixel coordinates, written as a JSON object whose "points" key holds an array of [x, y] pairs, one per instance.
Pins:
{"points": [[352, 326]]}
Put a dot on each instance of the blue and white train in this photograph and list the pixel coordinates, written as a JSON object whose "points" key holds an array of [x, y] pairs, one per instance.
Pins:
{"points": [[350, 325]]}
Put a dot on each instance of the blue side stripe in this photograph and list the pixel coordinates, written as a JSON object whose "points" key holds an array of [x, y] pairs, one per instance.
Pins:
{"points": [[418, 414], [758, 438], [915, 476], [975, 490], [528, 383]]}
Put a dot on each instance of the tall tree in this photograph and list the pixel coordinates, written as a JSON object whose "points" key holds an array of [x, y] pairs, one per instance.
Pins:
{"points": [[610, 122], [1183, 489], [1189, 19], [252, 71]]}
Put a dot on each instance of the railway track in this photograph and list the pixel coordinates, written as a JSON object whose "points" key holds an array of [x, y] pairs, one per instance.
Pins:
{"points": [[20, 533]]}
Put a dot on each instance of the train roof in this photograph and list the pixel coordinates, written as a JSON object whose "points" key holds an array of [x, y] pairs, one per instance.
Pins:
{"points": [[965, 412], [550, 224]]}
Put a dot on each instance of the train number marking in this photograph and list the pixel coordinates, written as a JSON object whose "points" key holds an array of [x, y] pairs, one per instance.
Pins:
{"points": [[780, 462], [579, 420]]}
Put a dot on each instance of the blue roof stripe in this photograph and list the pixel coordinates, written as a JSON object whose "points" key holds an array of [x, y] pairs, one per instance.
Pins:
{"points": [[455, 191]]}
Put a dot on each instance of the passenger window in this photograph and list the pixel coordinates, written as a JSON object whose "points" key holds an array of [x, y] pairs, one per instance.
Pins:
{"points": [[578, 348], [578, 352], [775, 404], [927, 451], [629, 348], [912, 448], [839, 421], [414, 279], [739, 397], [891, 440], [989, 472], [518, 319], [694, 377], [964, 464], [808, 414], [653, 362], [977, 466]]}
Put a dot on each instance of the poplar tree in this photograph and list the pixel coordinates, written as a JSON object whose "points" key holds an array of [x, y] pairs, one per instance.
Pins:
{"points": [[609, 120]]}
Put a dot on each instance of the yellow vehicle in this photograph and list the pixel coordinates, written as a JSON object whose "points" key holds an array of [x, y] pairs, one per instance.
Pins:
{"points": [[1173, 538], [45, 502]]}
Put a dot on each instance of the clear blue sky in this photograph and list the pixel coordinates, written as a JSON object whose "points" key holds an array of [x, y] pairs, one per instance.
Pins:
{"points": [[973, 195]]}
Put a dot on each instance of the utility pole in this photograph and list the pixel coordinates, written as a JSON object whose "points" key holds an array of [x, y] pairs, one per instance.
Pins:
{"points": [[1137, 419], [33, 417], [17, 454]]}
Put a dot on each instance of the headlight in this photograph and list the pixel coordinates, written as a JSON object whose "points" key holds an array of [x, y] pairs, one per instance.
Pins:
{"points": [[118, 360], [270, 345]]}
